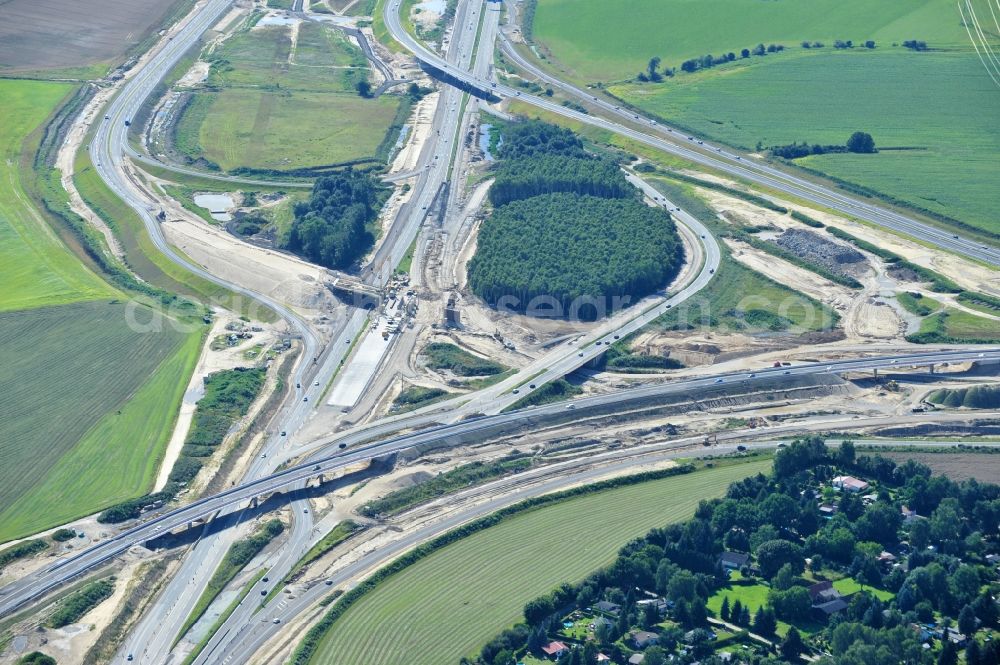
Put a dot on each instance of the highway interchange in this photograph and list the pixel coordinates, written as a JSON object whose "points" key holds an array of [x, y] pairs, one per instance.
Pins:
{"points": [[155, 636]]}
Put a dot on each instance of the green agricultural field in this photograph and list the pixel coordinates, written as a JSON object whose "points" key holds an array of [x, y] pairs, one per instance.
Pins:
{"points": [[633, 31], [90, 413], [449, 604], [929, 105], [87, 397], [272, 104], [37, 269]]}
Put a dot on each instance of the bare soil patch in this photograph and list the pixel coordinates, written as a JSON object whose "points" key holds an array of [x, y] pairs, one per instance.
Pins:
{"points": [[54, 34], [957, 466]]}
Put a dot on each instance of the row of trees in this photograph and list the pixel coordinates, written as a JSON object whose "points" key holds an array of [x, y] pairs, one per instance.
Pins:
{"points": [[331, 228], [546, 174], [654, 73], [859, 142]]}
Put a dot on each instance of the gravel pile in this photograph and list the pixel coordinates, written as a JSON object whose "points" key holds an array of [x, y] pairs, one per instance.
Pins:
{"points": [[813, 247]]}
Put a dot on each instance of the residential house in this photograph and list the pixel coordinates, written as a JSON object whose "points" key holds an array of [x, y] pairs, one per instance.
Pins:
{"points": [[849, 484], [659, 603], [555, 650], [733, 560], [598, 622], [636, 659], [825, 599], [908, 514], [822, 592], [601, 658], [644, 638], [831, 607], [607, 608]]}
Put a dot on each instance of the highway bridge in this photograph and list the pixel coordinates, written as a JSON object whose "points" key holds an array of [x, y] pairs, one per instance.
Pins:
{"points": [[55, 575]]}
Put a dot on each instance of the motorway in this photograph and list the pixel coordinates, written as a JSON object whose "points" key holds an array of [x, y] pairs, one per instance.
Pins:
{"points": [[508, 491], [436, 158], [67, 568], [108, 151], [675, 142]]}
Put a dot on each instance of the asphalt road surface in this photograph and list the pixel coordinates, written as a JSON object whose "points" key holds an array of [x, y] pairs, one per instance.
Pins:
{"points": [[67, 568], [715, 157]]}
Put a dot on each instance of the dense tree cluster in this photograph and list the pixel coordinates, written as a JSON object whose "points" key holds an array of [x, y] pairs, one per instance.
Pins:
{"points": [[573, 253], [569, 234], [943, 532], [331, 228], [533, 138], [546, 174], [915, 44], [861, 142]]}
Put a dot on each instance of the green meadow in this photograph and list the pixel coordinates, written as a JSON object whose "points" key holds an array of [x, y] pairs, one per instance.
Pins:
{"points": [[37, 268], [932, 113], [87, 399], [274, 103]]}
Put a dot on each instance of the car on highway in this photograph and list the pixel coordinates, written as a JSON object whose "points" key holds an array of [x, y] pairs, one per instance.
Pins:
{"points": [[276, 620], [284, 433], [580, 354], [787, 371], [718, 381], [305, 399], [532, 386]]}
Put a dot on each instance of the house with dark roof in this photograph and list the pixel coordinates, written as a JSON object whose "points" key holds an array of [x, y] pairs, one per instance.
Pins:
{"points": [[826, 600], [607, 607], [831, 607], [644, 638], [822, 592], [733, 560]]}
